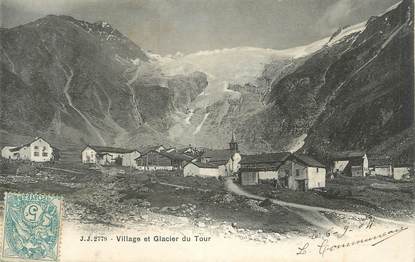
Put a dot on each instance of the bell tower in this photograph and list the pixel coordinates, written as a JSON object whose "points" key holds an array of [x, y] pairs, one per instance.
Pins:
{"points": [[233, 145]]}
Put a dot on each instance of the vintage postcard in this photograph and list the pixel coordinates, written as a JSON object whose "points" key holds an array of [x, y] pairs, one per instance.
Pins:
{"points": [[207, 130]]}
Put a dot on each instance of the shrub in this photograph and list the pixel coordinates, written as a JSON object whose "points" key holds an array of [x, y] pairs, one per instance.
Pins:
{"points": [[28, 169]]}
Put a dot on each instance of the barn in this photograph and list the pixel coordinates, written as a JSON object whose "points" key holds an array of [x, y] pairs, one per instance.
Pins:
{"points": [[154, 160], [260, 167], [351, 163], [301, 172], [401, 171], [105, 155], [200, 169], [380, 165]]}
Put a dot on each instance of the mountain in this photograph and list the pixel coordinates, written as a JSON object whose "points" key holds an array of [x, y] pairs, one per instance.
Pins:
{"points": [[238, 78], [352, 90], [79, 82], [354, 93], [367, 101]]}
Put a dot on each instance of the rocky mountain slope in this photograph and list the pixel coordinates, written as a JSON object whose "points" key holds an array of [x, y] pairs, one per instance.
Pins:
{"points": [[355, 93], [369, 91], [82, 82]]}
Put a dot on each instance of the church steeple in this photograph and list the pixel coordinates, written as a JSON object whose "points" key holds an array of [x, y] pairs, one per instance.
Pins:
{"points": [[233, 145]]}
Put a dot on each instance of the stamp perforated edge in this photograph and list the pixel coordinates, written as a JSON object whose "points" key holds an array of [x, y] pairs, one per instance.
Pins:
{"points": [[59, 242]]}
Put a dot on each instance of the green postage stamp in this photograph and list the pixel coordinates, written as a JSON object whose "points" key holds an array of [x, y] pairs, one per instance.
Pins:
{"points": [[31, 227]]}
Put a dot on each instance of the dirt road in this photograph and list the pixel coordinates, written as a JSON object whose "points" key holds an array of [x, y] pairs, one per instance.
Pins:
{"points": [[232, 187]]}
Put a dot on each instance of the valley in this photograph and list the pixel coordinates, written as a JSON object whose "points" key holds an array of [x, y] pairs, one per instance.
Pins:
{"points": [[97, 86]]}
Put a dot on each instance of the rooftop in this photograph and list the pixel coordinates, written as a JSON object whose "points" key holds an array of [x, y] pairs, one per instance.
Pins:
{"points": [[17, 148], [204, 165], [379, 160], [147, 149], [176, 156], [308, 160], [107, 149], [219, 155], [171, 155], [346, 155], [261, 167], [265, 158]]}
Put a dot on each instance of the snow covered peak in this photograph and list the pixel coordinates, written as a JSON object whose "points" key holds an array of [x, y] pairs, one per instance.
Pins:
{"points": [[346, 31], [238, 65]]}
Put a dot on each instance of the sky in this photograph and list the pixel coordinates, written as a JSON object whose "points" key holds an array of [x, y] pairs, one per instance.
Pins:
{"points": [[186, 26]]}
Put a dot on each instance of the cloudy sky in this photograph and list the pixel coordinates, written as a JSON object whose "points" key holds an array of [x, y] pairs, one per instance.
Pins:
{"points": [[170, 26]]}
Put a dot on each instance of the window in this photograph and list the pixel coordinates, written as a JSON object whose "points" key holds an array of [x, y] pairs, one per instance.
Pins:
{"points": [[44, 154], [36, 147], [36, 153], [44, 148], [317, 169], [297, 172]]}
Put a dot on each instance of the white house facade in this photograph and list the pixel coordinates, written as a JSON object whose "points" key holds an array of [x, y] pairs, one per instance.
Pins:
{"points": [[6, 153], [88, 155], [301, 172], [352, 163], [129, 159], [294, 171], [39, 150], [103, 155], [200, 169], [401, 172]]}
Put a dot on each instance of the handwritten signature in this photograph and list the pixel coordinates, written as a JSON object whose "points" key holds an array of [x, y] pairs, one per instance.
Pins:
{"points": [[325, 247]]}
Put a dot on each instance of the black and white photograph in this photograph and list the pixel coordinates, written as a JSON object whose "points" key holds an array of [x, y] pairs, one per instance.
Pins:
{"points": [[207, 130]]}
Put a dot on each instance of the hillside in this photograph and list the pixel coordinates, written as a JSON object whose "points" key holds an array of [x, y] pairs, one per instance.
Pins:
{"points": [[78, 82], [355, 94], [370, 91]]}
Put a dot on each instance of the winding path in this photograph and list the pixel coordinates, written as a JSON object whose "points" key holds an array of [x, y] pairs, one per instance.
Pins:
{"points": [[232, 187]]}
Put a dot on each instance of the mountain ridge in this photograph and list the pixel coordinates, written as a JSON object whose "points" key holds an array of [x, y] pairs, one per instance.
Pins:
{"points": [[92, 81]]}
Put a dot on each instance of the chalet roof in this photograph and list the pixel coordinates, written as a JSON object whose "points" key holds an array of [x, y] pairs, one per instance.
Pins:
{"points": [[171, 155], [17, 148], [265, 158], [182, 150], [261, 167], [273, 161], [347, 155], [107, 149], [308, 160], [176, 156], [147, 149], [220, 155], [203, 165], [14, 149], [379, 160]]}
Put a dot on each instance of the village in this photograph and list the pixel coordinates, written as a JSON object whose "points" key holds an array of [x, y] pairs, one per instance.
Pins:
{"points": [[299, 172], [261, 197]]}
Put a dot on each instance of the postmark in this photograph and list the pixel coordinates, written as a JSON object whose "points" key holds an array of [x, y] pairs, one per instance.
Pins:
{"points": [[32, 227]]}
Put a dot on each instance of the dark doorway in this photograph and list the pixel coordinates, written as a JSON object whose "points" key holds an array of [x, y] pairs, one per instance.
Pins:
{"points": [[301, 185]]}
